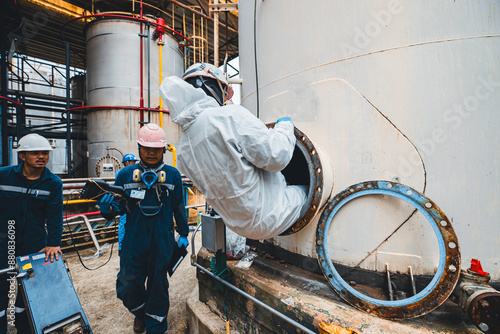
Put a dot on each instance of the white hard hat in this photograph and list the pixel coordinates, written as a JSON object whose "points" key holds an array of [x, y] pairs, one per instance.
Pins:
{"points": [[209, 71], [33, 142]]}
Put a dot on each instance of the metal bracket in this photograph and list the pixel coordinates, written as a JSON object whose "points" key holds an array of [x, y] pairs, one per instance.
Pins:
{"points": [[223, 7]]}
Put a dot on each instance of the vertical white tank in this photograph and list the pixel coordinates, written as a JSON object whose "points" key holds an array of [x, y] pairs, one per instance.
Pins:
{"points": [[405, 91], [113, 79]]}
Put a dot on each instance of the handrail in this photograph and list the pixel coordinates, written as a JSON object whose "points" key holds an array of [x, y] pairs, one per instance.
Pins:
{"points": [[90, 220], [258, 302], [89, 227], [241, 292], [93, 213], [85, 179]]}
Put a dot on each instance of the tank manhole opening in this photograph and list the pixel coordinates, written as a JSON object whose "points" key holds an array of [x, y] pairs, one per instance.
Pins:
{"points": [[306, 170], [297, 171]]}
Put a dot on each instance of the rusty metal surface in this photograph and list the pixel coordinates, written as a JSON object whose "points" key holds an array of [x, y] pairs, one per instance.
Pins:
{"points": [[316, 180], [484, 312], [308, 299], [438, 289], [479, 300]]}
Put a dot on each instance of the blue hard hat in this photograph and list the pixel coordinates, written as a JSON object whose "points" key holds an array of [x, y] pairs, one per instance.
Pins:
{"points": [[129, 157]]}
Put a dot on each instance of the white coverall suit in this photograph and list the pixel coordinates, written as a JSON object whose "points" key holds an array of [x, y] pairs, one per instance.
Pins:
{"points": [[235, 161]]}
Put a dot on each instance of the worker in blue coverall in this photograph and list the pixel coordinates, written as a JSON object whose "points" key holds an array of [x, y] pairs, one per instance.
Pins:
{"points": [[128, 160], [155, 191], [31, 220]]}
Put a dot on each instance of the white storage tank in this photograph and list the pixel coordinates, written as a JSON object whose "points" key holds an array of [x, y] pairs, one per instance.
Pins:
{"points": [[113, 80], [404, 91]]}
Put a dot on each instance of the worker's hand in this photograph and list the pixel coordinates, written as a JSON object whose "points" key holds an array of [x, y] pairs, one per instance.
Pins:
{"points": [[105, 203], [284, 119], [51, 252], [183, 241]]}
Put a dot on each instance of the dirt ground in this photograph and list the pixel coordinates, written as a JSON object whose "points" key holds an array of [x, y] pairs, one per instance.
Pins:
{"points": [[97, 293]]}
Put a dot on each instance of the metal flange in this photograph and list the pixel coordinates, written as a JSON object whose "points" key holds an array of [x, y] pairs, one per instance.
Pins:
{"points": [[316, 187], [448, 270], [318, 191], [99, 167]]}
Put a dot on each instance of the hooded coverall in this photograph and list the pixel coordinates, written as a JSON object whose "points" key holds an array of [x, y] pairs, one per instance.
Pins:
{"points": [[235, 161], [148, 244], [26, 207]]}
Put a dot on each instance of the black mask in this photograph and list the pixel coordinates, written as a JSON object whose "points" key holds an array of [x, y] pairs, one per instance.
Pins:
{"points": [[209, 85]]}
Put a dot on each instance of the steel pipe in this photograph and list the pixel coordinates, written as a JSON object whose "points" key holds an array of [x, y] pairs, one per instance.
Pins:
{"points": [[256, 301], [8, 271], [241, 292], [479, 300]]}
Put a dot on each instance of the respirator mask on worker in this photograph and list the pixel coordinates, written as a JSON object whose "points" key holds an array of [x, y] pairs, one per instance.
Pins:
{"points": [[212, 87], [151, 178]]}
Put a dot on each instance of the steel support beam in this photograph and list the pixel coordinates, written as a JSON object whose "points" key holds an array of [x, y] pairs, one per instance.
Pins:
{"points": [[68, 115], [3, 82]]}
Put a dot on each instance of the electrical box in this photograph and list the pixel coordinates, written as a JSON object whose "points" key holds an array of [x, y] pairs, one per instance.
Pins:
{"points": [[51, 301], [213, 233]]}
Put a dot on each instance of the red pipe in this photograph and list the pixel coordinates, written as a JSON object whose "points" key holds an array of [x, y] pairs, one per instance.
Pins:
{"points": [[189, 42], [12, 101], [73, 187], [141, 20], [93, 213], [115, 107]]}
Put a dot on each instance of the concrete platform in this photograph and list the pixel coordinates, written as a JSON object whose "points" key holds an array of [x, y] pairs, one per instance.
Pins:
{"points": [[201, 319], [303, 296]]}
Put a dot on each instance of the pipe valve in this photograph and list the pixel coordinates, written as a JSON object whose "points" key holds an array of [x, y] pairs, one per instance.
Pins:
{"points": [[478, 299], [159, 31]]}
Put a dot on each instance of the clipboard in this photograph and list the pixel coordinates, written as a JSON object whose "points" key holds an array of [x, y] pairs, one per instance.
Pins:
{"points": [[179, 255]]}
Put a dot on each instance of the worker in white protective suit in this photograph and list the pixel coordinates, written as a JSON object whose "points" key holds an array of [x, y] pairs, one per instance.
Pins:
{"points": [[231, 156]]}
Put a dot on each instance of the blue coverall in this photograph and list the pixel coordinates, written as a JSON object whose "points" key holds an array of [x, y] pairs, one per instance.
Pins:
{"points": [[121, 225], [26, 207], [121, 230], [148, 244]]}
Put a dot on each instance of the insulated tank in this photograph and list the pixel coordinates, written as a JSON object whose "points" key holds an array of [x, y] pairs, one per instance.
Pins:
{"points": [[113, 80], [403, 91]]}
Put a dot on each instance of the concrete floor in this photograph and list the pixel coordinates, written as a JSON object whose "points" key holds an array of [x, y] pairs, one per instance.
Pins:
{"points": [[106, 313]]}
